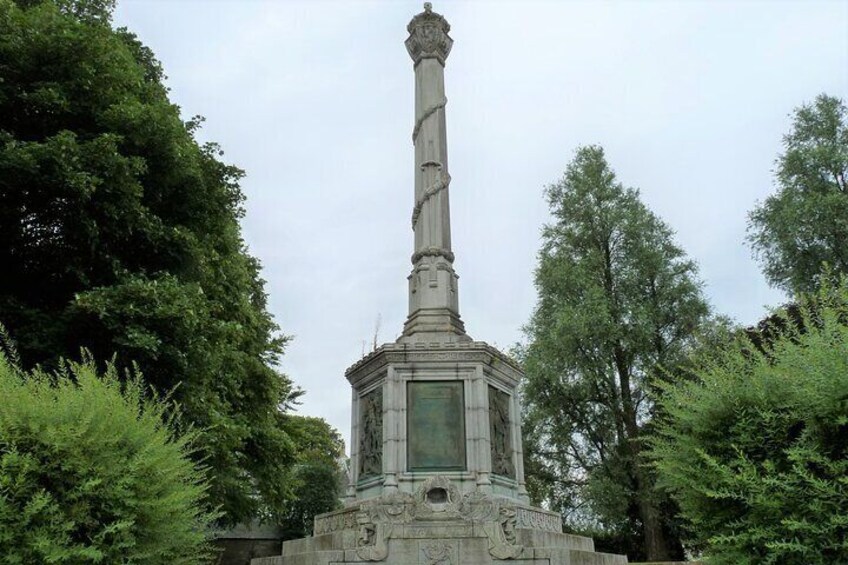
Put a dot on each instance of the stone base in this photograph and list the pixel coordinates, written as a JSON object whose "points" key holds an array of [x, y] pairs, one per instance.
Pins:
{"points": [[433, 529]]}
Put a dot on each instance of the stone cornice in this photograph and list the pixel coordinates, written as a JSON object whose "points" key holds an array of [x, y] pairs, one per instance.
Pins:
{"points": [[460, 352], [428, 36]]}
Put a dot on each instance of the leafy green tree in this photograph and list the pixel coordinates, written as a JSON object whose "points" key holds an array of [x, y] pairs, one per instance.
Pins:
{"points": [[617, 301], [91, 471], [805, 223], [755, 449], [317, 476], [121, 235]]}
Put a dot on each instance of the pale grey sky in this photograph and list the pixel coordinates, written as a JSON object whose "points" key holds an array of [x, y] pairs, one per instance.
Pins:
{"points": [[314, 100]]}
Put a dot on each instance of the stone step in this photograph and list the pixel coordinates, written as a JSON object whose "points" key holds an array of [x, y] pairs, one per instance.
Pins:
{"points": [[557, 540], [530, 556], [559, 556]]}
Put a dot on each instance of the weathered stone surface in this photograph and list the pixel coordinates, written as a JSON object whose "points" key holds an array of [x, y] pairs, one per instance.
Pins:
{"points": [[439, 525]]}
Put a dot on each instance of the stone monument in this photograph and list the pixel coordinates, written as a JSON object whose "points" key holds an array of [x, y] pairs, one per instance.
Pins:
{"points": [[437, 473]]}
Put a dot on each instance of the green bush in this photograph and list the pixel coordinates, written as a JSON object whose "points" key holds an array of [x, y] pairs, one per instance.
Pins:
{"points": [[91, 473], [755, 449]]}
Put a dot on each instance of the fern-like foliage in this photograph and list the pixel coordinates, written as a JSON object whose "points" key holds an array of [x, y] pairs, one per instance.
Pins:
{"points": [[91, 472]]}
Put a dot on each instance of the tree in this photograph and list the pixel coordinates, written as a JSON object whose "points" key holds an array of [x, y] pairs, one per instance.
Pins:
{"points": [[317, 475], [121, 235], [805, 223], [755, 449], [91, 471], [617, 301]]}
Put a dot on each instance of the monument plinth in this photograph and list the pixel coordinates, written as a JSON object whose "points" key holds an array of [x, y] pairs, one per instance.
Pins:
{"points": [[437, 474]]}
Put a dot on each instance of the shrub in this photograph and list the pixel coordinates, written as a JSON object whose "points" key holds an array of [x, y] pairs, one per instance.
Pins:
{"points": [[755, 449], [91, 473]]}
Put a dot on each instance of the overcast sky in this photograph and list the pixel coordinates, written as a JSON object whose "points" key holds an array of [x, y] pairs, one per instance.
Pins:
{"points": [[314, 99]]}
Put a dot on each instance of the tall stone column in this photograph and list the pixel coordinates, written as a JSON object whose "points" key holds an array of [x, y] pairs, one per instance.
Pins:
{"points": [[433, 292]]}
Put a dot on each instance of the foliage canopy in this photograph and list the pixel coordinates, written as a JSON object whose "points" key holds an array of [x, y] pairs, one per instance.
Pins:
{"points": [[121, 235], [755, 449], [805, 223]]}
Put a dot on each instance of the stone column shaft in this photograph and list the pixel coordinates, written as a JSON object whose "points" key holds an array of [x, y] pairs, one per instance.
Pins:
{"points": [[433, 292], [432, 221]]}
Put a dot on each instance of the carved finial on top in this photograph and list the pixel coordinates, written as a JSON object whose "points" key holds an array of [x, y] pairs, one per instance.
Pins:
{"points": [[428, 36]]}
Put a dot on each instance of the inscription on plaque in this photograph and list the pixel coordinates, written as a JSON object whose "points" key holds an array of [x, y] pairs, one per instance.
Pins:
{"points": [[499, 432], [435, 426], [371, 434]]}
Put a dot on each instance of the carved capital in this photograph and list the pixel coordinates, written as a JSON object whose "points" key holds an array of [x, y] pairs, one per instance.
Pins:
{"points": [[428, 36]]}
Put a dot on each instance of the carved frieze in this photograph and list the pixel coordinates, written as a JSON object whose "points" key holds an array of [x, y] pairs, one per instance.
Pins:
{"points": [[335, 521], [536, 519]]}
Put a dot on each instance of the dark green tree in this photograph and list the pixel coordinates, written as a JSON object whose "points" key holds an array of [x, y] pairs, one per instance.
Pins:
{"points": [[317, 477], [805, 223], [755, 447], [120, 233], [618, 300]]}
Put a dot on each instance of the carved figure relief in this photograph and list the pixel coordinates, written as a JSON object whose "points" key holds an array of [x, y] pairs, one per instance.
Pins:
{"points": [[371, 540], [501, 534], [371, 434], [500, 433]]}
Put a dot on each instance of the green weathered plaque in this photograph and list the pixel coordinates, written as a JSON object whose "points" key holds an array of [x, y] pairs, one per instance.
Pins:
{"points": [[435, 426]]}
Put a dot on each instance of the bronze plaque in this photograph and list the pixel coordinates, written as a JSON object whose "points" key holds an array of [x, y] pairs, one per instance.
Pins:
{"points": [[435, 426]]}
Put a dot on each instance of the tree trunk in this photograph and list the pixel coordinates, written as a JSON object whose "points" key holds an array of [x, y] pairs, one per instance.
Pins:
{"points": [[656, 545]]}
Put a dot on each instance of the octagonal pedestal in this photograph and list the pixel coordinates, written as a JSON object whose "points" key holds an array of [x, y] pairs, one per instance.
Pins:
{"points": [[447, 409]]}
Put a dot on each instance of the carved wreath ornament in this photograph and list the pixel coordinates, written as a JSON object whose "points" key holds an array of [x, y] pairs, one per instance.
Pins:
{"points": [[437, 553]]}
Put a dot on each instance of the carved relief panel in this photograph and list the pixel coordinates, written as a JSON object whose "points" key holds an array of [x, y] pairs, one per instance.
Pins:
{"points": [[371, 434], [500, 433]]}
